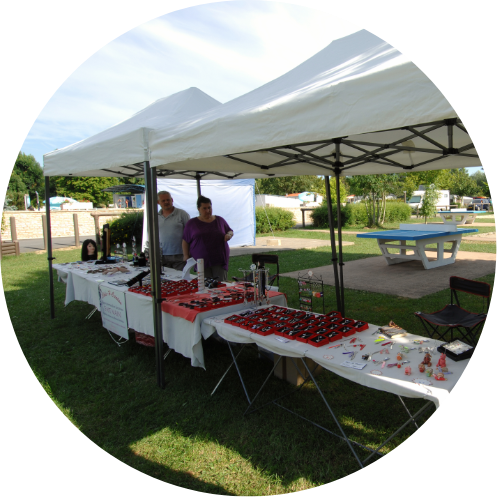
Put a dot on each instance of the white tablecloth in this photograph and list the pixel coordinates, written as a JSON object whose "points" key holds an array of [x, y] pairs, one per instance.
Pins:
{"points": [[391, 380], [181, 335]]}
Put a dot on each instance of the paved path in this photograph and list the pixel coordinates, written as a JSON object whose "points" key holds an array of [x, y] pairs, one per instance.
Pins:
{"points": [[408, 279], [37, 244]]}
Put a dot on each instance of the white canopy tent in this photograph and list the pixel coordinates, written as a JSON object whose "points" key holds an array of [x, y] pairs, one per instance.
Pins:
{"points": [[356, 107], [126, 143], [123, 150], [388, 115]]}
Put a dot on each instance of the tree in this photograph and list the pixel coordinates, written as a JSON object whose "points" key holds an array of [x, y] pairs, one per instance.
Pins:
{"points": [[85, 188], [374, 188], [26, 178], [16, 190], [288, 184], [480, 177], [344, 189], [481, 180], [429, 204], [462, 184]]}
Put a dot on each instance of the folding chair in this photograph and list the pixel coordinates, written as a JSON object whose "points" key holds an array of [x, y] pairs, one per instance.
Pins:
{"points": [[453, 317], [261, 260]]}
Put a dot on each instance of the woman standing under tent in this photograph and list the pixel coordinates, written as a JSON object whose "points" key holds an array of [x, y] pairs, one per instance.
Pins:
{"points": [[206, 237]]}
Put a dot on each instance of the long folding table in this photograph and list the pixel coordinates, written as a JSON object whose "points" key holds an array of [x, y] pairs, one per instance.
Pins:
{"points": [[336, 357], [181, 327], [394, 247]]}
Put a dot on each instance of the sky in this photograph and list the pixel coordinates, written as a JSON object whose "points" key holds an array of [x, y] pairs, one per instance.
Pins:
{"points": [[224, 49]]}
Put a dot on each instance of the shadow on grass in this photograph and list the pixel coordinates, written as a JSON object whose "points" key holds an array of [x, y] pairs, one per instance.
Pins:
{"points": [[183, 435]]}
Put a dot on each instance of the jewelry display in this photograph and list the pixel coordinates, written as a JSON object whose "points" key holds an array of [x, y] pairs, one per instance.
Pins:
{"points": [[310, 289]]}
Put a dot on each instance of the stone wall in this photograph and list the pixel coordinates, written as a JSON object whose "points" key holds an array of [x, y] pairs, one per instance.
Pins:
{"points": [[29, 224]]}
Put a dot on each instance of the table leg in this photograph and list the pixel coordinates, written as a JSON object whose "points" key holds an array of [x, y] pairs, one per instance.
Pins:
{"points": [[385, 244], [410, 420], [334, 417], [229, 367], [455, 240], [91, 313]]}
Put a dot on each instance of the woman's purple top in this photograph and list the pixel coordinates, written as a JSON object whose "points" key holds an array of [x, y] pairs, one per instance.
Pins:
{"points": [[206, 241]]}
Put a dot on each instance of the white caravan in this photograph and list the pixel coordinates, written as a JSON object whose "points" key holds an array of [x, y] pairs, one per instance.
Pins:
{"points": [[417, 199]]}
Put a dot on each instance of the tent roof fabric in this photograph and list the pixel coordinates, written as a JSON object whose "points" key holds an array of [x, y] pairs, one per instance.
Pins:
{"points": [[126, 143], [351, 90], [356, 107]]}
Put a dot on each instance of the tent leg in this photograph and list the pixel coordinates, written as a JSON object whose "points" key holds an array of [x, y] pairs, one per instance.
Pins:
{"points": [[155, 265], [334, 259], [49, 245], [340, 252], [199, 192]]}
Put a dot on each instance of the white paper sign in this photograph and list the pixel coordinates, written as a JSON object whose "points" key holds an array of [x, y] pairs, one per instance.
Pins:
{"points": [[353, 365], [113, 311]]}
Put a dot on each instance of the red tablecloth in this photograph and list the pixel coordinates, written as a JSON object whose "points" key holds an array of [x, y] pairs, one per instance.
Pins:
{"points": [[173, 308]]}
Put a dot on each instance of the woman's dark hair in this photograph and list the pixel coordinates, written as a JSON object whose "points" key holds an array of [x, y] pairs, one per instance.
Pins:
{"points": [[84, 251], [203, 200]]}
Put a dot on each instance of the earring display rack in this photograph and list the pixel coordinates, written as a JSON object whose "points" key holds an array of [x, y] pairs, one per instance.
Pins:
{"points": [[311, 291]]}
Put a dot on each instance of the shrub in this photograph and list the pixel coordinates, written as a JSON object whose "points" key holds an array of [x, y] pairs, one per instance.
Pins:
{"points": [[356, 215], [397, 211], [350, 214], [319, 215], [126, 226], [279, 218]]}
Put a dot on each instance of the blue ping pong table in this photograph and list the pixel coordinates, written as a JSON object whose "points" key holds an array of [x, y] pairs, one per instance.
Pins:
{"points": [[460, 216], [426, 237]]}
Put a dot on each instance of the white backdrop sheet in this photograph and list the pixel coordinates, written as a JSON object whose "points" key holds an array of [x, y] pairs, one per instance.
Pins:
{"points": [[234, 200]]}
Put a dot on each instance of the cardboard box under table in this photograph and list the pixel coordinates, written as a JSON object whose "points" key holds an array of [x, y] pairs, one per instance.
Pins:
{"points": [[285, 370], [394, 247], [368, 373]]}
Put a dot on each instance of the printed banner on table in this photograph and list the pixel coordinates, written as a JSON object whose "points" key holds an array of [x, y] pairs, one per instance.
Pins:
{"points": [[113, 311]]}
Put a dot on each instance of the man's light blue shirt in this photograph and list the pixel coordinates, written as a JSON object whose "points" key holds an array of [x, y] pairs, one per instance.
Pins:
{"points": [[171, 231]]}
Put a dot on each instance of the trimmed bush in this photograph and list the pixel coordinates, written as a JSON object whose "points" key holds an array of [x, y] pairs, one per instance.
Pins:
{"points": [[356, 215], [319, 215], [279, 218], [124, 227], [351, 215], [397, 211]]}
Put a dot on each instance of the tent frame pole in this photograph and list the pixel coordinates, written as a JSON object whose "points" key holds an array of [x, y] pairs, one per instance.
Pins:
{"points": [[155, 266], [339, 222], [199, 191], [49, 245], [331, 224], [340, 251]]}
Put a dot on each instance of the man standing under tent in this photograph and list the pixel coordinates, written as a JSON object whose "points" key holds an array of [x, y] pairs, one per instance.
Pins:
{"points": [[171, 225]]}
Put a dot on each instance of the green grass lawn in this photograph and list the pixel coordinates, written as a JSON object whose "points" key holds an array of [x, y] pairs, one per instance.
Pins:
{"points": [[182, 435]]}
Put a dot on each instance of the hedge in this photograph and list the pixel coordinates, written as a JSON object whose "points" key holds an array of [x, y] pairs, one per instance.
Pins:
{"points": [[279, 218], [355, 214], [124, 227]]}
